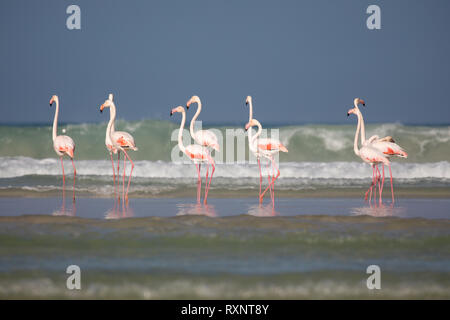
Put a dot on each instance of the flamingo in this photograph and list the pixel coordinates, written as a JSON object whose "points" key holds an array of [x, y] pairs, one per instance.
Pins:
{"points": [[121, 141], [204, 138], [267, 147], [197, 153], [252, 146], [63, 145], [367, 153], [385, 145], [109, 146]]}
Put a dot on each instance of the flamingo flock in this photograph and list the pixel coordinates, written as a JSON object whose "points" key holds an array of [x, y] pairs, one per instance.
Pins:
{"points": [[374, 151]]}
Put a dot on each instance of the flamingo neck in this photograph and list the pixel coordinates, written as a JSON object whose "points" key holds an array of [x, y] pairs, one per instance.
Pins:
{"points": [[250, 114], [361, 119], [258, 133], [180, 132], [355, 143], [55, 120], [199, 109], [110, 129]]}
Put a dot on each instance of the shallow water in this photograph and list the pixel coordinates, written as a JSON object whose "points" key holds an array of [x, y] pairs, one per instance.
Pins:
{"points": [[101, 208], [172, 248]]}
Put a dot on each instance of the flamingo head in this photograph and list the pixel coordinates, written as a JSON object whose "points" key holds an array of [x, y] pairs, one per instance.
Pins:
{"points": [[248, 100], [359, 101], [105, 104], [111, 97], [193, 99], [251, 123], [177, 109], [352, 110], [53, 99]]}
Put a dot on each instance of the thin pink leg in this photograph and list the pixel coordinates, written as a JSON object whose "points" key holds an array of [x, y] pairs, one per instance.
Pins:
{"points": [[370, 188], [213, 168], [114, 176], [270, 179], [382, 186], [64, 176], [118, 173], [123, 180], [74, 176], [392, 187], [260, 176], [199, 182], [131, 172]]}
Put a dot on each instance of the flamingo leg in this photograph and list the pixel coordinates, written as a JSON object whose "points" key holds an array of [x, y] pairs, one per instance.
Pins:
{"points": [[273, 182], [206, 184], [273, 179], [114, 174], [131, 172], [74, 176], [270, 176], [371, 185], [213, 168], [392, 187], [118, 168], [199, 181], [123, 180], [260, 176], [382, 185], [64, 176], [64, 189]]}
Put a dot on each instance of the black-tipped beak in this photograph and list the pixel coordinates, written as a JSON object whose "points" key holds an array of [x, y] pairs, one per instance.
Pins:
{"points": [[171, 113], [187, 107], [101, 110], [348, 114], [364, 104], [50, 104]]}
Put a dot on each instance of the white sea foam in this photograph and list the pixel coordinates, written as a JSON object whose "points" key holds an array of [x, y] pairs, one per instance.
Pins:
{"points": [[12, 167]]}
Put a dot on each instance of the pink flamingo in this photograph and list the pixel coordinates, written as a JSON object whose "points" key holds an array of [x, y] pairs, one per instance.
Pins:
{"points": [[197, 153], [252, 146], [121, 141], [63, 145], [386, 146], [267, 147], [367, 153], [204, 138], [109, 146]]}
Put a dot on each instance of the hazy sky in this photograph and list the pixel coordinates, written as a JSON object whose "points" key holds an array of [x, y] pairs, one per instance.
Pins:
{"points": [[302, 61]]}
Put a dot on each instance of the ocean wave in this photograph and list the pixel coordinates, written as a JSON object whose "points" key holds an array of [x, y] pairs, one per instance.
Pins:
{"points": [[155, 139], [12, 167]]}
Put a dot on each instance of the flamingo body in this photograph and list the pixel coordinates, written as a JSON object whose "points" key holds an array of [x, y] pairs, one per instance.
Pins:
{"points": [[64, 145], [123, 140], [203, 137]]}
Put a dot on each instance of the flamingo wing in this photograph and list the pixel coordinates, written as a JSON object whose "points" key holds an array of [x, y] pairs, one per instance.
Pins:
{"points": [[64, 145], [196, 152], [371, 155], [122, 139], [206, 138], [389, 148], [267, 144]]}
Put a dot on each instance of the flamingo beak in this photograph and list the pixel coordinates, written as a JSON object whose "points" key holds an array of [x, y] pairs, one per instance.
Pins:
{"points": [[51, 102], [247, 126], [171, 113], [101, 108]]}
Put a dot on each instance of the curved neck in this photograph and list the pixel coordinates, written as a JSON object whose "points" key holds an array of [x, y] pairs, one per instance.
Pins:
{"points": [[180, 132], [258, 133], [250, 113], [355, 143], [112, 118], [199, 109], [55, 120], [361, 119]]}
